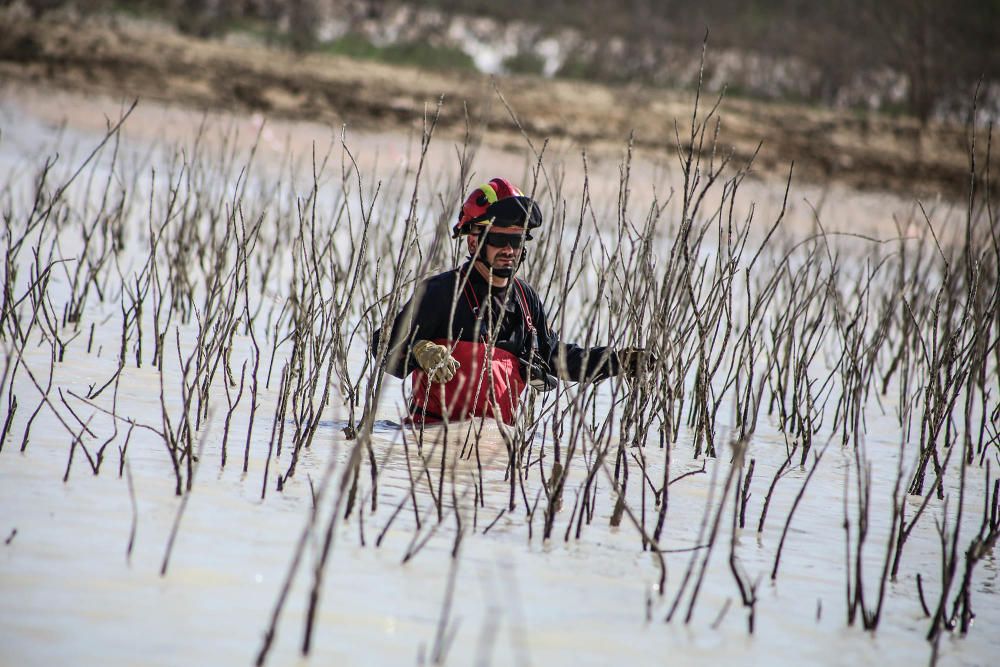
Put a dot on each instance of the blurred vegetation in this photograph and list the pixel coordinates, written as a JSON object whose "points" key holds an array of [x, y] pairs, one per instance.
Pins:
{"points": [[524, 63], [419, 54], [940, 48], [592, 68]]}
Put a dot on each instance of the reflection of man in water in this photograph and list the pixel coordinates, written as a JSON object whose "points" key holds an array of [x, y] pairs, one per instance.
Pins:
{"points": [[478, 335]]}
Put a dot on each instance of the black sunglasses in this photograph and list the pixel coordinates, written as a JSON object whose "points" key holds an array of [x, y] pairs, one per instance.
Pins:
{"points": [[501, 240]]}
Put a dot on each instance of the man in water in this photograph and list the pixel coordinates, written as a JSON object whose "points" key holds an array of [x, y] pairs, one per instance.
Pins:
{"points": [[475, 336]]}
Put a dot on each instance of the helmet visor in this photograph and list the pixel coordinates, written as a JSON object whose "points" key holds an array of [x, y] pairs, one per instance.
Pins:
{"points": [[513, 212]]}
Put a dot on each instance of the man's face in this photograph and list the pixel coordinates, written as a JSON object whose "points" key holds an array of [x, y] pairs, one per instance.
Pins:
{"points": [[505, 257]]}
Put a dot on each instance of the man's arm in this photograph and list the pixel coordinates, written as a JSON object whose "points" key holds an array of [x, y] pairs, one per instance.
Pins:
{"points": [[569, 361], [408, 328], [579, 364]]}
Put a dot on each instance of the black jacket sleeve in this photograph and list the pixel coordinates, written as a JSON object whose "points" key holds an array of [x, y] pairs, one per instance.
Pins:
{"points": [[427, 321], [567, 360]]}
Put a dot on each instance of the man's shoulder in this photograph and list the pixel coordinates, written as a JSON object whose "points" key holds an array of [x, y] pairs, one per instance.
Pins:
{"points": [[448, 274], [441, 281], [443, 278]]}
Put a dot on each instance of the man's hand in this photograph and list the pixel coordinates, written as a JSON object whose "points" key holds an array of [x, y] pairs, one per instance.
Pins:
{"points": [[435, 360], [634, 361]]}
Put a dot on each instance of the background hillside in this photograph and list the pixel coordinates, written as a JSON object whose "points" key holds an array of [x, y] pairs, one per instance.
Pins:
{"points": [[919, 57], [838, 92]]}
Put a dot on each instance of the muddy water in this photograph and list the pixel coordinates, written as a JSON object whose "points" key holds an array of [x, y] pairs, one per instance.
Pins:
{"points": [[72, 593]]}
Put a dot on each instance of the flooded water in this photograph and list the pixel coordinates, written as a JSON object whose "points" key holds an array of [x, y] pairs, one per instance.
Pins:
{"points": [[82, 576]]}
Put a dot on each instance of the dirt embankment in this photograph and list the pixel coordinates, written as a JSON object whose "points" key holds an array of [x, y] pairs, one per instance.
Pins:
{"points": [[135, 59]]}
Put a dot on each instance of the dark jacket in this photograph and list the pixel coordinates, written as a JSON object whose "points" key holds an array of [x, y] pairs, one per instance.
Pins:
{"points": [[480, 309]]}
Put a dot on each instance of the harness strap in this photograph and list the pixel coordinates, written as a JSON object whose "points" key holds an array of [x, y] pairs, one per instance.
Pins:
{"points": [[524, 307], [467, 291], [470, 296]]}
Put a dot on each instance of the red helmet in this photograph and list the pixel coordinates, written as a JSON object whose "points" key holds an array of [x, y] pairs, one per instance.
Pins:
{"points": [[481, 208]]}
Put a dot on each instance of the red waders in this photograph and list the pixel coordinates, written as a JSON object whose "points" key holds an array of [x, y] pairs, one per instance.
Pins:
{"points": [[480, 388], [493, 392]]}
